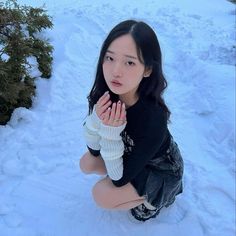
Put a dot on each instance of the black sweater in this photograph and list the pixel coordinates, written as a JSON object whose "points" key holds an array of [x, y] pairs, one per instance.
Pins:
{"points": [[145, 137]]}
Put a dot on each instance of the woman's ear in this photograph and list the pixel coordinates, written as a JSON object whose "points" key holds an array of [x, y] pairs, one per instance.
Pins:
{"points": [[147, 72]]}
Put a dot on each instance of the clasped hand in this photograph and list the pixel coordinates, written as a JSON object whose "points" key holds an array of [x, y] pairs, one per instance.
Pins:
{"points": [[112, 114]]}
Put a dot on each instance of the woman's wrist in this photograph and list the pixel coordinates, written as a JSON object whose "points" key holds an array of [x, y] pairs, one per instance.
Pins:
{"points": [[111, 132], [95, 119]]}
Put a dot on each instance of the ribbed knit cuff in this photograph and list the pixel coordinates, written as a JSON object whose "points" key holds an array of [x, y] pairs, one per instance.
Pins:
{"points": [[111, 149], [93, 145], [111, 132], [96, 120], [115, 168], [93, 122], [92, 138]]}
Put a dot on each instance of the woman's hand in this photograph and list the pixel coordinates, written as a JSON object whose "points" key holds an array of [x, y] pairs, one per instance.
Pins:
{"points": [[102, 104], [112, 116], [115, 115]]}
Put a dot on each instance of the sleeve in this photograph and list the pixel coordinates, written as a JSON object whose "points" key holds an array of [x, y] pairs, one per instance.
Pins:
{"points": [[91, 128], [146, 146], [112, 150], [95, 153]]}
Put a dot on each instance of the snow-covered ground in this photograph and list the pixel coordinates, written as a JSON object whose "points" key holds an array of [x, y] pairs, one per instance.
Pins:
{"points": [[42, 190]]}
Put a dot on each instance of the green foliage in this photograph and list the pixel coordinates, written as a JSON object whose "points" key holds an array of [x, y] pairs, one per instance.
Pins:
{"points": [[20, 38], [233, 1]]}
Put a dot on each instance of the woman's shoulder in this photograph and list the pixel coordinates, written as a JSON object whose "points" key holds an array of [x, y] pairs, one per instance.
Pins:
{"points": [[148, 115], [154, 110], [147, 105]]}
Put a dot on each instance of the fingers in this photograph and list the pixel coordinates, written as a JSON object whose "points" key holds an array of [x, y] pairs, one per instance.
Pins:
{"points": [[110, 114], [123, 113], [116, 115], [104, 98], [106, 116], [113, 112], [118, 111], [103, 104], [102, 108]]}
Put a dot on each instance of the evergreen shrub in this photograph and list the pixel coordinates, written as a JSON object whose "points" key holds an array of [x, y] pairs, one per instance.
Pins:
{"points": [[21, 38]]}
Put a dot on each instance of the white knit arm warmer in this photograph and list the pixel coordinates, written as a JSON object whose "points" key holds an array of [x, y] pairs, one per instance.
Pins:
{"points": [[91, 128], [112, 150]]}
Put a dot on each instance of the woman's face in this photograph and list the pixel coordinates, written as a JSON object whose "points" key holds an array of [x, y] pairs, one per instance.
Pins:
{"points": [[122, 69]]}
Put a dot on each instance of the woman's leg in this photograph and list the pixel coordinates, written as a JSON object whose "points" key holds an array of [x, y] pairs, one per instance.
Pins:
{"points": [[90, 164], [107, 195]]}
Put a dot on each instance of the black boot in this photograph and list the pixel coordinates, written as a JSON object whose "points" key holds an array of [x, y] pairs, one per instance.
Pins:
{"points": [[142, 213]]}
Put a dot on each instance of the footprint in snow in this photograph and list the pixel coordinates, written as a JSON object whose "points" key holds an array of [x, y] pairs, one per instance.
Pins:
{"points": [[216, 202], [172, 215], [12, 220]]}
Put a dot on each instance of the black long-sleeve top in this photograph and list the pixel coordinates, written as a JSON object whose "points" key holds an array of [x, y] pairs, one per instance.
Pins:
{"points": [[145, 137]]}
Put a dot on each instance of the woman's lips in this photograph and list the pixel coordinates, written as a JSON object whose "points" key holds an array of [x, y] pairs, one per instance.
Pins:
{"points": [[116, 83]]}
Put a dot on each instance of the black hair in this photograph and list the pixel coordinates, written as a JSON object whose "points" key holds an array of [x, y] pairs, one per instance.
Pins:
{"points": [[149, 53]]}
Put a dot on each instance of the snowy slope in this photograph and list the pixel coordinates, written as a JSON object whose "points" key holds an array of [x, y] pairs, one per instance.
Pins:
{"points": [[43, 192]]}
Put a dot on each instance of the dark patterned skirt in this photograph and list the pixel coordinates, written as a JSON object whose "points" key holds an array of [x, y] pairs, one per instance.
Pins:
{"points": [[162, 178]]}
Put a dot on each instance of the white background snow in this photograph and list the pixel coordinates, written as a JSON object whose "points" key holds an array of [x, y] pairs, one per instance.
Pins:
{"points": [[42, 190]]}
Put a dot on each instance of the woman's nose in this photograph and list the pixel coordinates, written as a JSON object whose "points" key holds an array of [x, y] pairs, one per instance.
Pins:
{"points": [[117, 70]]}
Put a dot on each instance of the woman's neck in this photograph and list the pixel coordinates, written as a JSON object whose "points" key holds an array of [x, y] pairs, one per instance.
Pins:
{"points": [[128, 100]]}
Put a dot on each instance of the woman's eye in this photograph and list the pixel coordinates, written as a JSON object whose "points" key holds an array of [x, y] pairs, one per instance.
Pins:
{"points": [[130, 63], [108, 58]]}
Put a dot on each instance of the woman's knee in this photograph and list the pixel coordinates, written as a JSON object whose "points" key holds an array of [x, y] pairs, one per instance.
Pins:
{"points": [[85, 164], [107, 195], [102, 194]]}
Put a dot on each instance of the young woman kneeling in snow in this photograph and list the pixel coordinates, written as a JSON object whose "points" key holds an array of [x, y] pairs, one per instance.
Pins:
{"points": [[126, 130]]}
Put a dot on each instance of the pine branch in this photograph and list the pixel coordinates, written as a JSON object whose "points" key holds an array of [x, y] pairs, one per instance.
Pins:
{"points": [[18, 25]]}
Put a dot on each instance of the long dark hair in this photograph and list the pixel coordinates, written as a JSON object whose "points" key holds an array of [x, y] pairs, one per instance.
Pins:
{"points": [[149, 53]]}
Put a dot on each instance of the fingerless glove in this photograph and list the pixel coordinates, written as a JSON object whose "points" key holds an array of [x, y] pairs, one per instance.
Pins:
{"points": [[91, 128], [112, 149]]}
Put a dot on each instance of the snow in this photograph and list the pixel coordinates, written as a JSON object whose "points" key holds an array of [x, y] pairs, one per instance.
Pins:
{"points": [[42, 190]]}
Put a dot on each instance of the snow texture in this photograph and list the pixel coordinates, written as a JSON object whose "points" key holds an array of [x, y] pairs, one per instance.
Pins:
{"points": [[42, 190]]}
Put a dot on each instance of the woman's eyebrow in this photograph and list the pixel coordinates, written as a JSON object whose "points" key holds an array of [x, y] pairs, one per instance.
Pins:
{"points": [[132, 57], [129, 56]]}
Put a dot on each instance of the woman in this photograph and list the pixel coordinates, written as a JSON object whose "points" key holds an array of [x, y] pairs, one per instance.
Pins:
{"points": [[126, 131]]}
